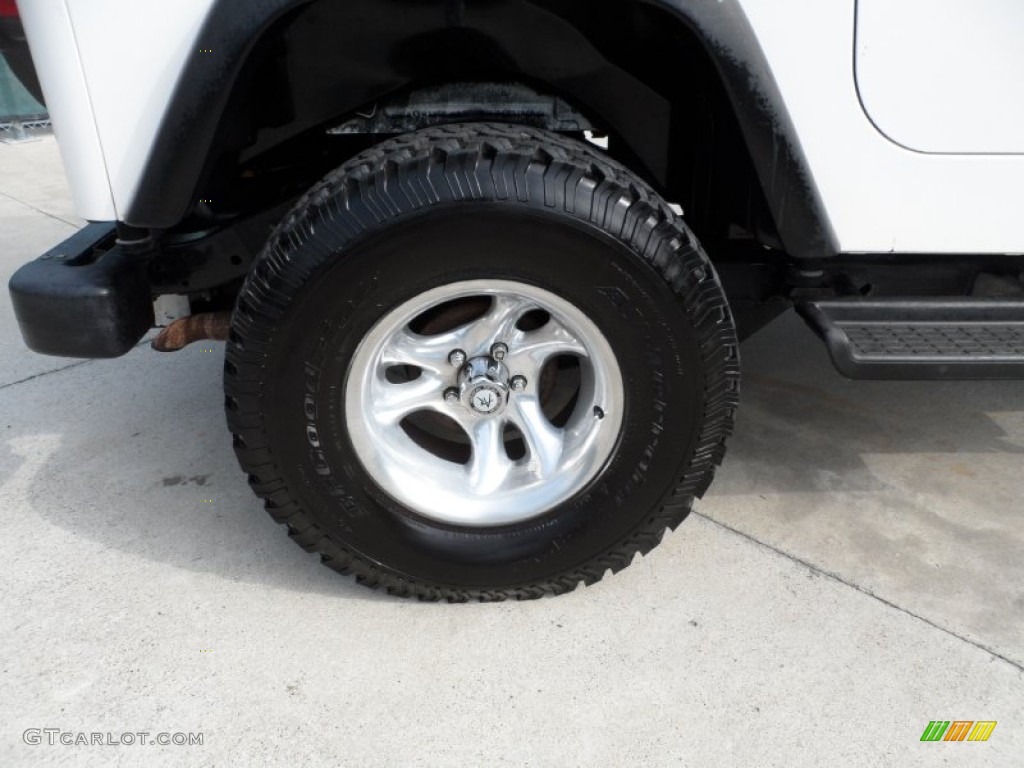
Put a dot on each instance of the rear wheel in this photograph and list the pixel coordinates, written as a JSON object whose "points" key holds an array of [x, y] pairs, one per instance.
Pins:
{"points": [[481, 361]]}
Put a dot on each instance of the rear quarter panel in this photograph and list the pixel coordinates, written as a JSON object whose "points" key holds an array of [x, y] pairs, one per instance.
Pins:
{"points": [[882, 197]]}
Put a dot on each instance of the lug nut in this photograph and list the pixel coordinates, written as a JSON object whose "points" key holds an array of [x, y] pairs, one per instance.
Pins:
{"points": [[457, 357], [451, 396], [499, 351], [518, 383]]}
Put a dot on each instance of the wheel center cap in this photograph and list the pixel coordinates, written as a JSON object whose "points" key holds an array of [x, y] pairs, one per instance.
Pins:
{"points": [[483, 386], [485, 400]]}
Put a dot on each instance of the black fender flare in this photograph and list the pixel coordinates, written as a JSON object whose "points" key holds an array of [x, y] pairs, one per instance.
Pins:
{"points": [[187, 134]]}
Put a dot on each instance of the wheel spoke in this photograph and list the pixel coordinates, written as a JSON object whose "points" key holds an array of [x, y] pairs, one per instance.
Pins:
{"points": [[544, 441], [475, 337], [504, 313], [393, 402], [532, 349], [497, 324], [427, 352], [490, 464]]}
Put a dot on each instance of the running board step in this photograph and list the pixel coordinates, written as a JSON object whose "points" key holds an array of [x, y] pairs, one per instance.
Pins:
{"points": [[921, 338]]}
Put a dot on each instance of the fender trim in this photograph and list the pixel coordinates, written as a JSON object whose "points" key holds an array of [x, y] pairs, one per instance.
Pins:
{"points": [[771, 137], [233, 28]]}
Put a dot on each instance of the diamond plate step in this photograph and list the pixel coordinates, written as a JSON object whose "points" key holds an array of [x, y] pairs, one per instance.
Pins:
{"points": [[921, 338]]}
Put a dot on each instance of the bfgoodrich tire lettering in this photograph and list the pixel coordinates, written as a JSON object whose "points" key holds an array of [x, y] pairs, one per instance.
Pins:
{"points": [[463, 203]]}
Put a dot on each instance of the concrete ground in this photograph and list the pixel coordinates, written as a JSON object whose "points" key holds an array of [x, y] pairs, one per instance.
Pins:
{"points": [[855, 572]]}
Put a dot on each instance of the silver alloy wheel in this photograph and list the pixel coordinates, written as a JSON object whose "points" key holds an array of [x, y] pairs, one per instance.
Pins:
{"points": [[484, 397]]}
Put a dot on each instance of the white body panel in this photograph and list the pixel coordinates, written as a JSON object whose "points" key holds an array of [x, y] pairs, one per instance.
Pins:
{"points": [[132, 53], [880, 196], [55, 54], [944, 75]]}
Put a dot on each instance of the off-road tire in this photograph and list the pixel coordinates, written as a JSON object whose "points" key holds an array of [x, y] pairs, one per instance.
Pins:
{"points": [[670, 306]]}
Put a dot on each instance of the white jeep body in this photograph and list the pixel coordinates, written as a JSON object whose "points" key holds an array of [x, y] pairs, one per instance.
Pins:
{"points": [[910, 112]]}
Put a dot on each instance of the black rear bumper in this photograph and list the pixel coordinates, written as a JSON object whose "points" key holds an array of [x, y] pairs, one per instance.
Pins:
{"points": [[92, 296], [84, 298]]}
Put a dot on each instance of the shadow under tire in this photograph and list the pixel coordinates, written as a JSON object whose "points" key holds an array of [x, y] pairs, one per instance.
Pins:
{"points": [[492, 214]]}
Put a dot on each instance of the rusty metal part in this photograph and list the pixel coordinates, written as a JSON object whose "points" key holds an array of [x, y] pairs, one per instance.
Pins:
{"points": [[182, 332]]}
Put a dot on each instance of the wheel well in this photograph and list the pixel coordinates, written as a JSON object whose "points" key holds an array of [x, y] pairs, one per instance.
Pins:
{"points": [[638, 72]]}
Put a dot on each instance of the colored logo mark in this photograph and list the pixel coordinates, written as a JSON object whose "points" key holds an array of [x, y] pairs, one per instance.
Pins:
{"points": [[958, 730]]}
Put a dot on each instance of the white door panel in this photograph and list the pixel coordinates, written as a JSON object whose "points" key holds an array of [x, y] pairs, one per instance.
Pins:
{"points": [[944, 75]]}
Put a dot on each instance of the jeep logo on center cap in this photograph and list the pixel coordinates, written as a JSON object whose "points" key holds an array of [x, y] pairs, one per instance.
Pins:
{"points": [[485, 400]]}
